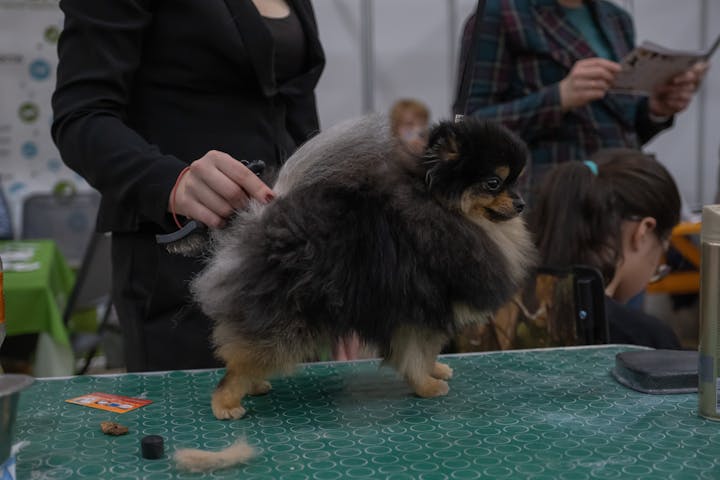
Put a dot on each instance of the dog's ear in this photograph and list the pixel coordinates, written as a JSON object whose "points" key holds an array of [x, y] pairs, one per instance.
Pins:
{"points": [[443, 142]]}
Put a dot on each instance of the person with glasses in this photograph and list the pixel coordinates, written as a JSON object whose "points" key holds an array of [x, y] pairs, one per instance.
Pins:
{"points": [[614, 212]]}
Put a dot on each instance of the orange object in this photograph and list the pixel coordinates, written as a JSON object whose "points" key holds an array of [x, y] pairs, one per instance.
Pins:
{"points": [[109, 402], [172, 195], [685, 281]]}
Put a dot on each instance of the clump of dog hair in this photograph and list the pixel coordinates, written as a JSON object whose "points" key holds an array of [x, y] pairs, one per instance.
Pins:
{"points": [[194, 460]]}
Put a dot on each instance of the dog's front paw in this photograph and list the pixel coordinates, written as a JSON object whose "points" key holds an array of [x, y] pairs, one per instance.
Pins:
{"points": [[442, 371], [227, 413], [432, 387]]}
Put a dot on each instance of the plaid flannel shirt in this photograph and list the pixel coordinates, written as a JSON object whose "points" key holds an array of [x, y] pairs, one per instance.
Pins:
{"points": [[525, 48]]}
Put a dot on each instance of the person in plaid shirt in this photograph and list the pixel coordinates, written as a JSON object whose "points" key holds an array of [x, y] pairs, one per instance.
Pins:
{"points": [[543, 68]]}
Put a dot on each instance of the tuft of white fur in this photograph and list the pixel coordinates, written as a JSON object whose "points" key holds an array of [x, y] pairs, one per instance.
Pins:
{"points": [[195, 460]]}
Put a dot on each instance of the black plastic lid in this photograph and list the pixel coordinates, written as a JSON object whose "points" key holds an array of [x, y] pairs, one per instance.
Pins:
{"points": [[152, 447]]}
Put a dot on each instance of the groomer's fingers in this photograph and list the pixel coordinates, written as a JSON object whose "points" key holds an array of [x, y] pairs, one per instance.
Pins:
{"points": [[207, 194], [243, 177], [194, 199], [206, 216], [209, 198], [189, 205], [224, 187]]}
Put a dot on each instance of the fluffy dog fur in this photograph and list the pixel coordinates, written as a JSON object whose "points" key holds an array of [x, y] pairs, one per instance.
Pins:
{"points": [[364, 237]]}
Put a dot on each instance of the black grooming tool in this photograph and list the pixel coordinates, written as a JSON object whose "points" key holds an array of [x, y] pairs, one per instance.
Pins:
{"points": [[192, 237], [255, 166]]}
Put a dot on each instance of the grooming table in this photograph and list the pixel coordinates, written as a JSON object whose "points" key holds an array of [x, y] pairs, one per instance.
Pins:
{"points": [[550, 414]]}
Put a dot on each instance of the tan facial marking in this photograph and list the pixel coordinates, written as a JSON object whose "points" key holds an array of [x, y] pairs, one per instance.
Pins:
{"points": [[476, 206], [473, 205], [502, 172], [503, 205]]}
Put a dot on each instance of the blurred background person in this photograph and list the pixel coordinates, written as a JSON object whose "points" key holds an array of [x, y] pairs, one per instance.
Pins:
{"points": [[409, 121], [545, 68]]}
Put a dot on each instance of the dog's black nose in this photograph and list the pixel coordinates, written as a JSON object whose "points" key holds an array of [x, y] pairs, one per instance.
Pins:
{"points": [[519, 205]]}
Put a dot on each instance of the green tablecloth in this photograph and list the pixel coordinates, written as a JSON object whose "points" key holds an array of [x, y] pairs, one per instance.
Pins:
{"points": [[35, 300], [543, 414]]}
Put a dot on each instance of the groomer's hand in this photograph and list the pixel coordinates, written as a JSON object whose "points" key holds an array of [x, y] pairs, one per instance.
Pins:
{"points": [[588, 80], [675, 95], [214, 187]]}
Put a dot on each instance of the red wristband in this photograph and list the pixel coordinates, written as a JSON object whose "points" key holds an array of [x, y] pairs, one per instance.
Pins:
{"points": [[172, 195]]}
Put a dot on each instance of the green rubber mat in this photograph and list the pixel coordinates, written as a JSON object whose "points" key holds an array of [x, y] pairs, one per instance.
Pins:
{"points": [[544, 414]]}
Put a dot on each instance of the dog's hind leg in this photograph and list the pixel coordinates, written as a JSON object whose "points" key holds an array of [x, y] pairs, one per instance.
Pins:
{"points": [[244, 375], [227, 397], [248, 364], [250, 361], [413, 353]]}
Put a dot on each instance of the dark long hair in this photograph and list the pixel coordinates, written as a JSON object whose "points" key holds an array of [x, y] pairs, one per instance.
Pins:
{"points": [[577, 215]]}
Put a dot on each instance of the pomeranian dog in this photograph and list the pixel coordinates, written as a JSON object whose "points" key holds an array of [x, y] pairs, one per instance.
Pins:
{"points": [[365, 237]]}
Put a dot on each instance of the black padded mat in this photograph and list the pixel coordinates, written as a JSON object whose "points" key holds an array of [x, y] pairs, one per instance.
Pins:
{"points": [[658, 371]]}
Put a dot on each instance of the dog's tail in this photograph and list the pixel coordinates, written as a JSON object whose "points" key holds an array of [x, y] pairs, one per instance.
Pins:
{"points": [[195, 460]]}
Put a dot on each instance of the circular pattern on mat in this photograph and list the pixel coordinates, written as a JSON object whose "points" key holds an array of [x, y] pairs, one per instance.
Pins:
{"points": [[543, 414]]}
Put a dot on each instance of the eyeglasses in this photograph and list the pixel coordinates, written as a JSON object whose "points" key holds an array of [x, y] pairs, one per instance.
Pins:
{"points": [[661, 272]]}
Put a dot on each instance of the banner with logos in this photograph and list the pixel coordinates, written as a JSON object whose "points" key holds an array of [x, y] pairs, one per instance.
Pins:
{"points": [[29, 161]]}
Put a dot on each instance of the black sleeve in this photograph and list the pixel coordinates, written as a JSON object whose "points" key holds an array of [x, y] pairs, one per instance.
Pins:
{"points": [[628, 326], [99, 52], [646, 129]]}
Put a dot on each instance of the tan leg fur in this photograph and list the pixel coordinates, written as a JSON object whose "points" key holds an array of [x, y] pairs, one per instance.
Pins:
{"points": [[412, 353], [442, 371], [249, 363]]}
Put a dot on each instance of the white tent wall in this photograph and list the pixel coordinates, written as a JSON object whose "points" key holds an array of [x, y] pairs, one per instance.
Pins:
{"points": [[414, 45], [690, 149]]}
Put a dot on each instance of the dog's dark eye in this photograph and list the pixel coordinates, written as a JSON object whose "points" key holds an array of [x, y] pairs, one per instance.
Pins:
{"points": [[492, 184]]}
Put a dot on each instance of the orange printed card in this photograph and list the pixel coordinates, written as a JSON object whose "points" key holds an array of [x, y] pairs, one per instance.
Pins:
{"points": [[109, 402]]}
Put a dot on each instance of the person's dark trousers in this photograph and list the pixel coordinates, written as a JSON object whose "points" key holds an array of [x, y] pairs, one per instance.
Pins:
{"points": [[162, 328]]}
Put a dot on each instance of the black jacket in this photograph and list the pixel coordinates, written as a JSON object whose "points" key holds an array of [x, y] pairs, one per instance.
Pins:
{"points": [[145, 87]]}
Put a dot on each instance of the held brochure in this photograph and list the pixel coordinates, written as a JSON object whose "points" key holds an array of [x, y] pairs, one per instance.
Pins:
{"points": [[650, 64]]}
